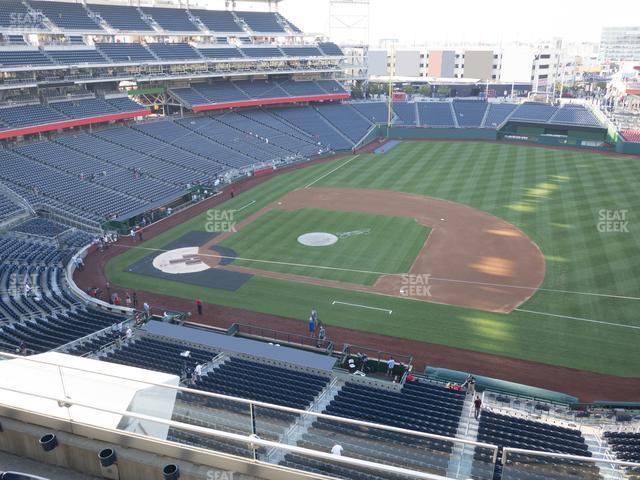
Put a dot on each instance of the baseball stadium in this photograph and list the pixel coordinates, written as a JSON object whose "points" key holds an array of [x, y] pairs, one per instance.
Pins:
{"points": [[219, 261]]}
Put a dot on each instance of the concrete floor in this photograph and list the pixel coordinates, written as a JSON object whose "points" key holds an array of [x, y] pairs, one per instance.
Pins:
{"points": [[23, 465]]}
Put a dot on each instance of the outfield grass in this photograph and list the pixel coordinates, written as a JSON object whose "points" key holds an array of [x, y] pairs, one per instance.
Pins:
{"points": [[390, 246], [555, 196]]}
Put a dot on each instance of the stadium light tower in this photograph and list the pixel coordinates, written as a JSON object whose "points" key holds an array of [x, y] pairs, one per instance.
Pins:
{"points": [[349, 21], [349, 26]]}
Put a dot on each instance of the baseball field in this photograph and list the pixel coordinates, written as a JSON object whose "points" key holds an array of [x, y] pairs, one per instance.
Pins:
{"points": [[523, 252]]}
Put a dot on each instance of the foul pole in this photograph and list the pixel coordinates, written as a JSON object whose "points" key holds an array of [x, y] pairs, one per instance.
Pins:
{"points": [[390, 90]]}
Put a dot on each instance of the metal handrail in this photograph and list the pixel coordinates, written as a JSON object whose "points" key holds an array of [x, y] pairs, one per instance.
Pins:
{"points": [[251, 440], [255, 403]]}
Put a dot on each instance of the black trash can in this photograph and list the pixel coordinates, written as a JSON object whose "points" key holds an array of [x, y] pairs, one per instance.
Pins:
{"points": [[170, 472], [48, 442], [107, 457]]}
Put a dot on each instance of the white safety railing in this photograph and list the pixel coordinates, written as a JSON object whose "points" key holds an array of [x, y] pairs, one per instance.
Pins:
{"points": [[515, 460], [249, 406]]}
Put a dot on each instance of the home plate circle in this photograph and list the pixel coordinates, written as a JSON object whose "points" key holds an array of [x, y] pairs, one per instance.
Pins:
{"points": [[317, 239], [180, 260]]}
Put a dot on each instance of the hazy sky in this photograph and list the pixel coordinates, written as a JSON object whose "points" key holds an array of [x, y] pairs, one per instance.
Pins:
{"points": [[420, 21]]}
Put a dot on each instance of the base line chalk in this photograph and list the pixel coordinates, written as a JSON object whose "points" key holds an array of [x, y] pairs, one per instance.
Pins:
{"points": [[362, 306]]}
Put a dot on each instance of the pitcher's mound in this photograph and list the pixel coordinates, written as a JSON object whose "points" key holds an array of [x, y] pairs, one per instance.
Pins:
{"points": [[317, 239]]}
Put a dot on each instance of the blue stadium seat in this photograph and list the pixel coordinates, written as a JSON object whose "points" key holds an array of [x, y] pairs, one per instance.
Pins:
{"points": [[125, 52], [171, 19], [121, 17], [217, 21], [261, 22], [68, 16]]}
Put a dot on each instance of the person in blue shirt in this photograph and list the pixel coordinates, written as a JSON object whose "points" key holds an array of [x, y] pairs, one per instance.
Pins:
{"points": [[312, 326]]}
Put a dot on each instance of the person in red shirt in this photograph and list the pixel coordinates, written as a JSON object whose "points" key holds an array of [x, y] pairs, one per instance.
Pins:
{"points": [[477, 405], [199, 306]]}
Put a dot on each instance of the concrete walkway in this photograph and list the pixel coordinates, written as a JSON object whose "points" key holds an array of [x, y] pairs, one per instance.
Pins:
{"points": [[12, 463]]}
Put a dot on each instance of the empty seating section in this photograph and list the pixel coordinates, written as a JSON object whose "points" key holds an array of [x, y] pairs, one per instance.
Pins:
{"points": [[376, 112], [40, 335], [44, 316], [27, 115], [219, 52], [217, 21], [23, 58], [507, 431], [301, 88], [189, 97], [534, 112], [575, 115], [174, 51], [626, 445], [121, 17], [310, 121], [8, 207], [435, 114], [234, 147], [265, 22], [331, 49], [73, 57], [124, 104], [125, 52], [279, 133], [469, 113], [497, 114], [266, 383], [207, 154], [301, 51], [41, 227], [283, 20], [32, 115], [631, 135], [261, 52], [260, 89], [220, 92], [345, 119], [14, 13], [418, 406], [406, 113], [84, 108], [331, 86], [160, 355], [274, 142], [171, 19], [129, 147], [95, 200], [69, 16]]}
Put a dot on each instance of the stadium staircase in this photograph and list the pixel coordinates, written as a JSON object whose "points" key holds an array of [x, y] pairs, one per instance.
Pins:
{"points": [[454, 116], [302, 424], [461, 462]]}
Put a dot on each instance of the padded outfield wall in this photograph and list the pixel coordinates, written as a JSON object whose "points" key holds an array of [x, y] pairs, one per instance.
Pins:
{"points": [[417, 133]]}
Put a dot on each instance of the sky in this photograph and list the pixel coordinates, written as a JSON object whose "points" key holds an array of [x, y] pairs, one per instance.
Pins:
{"points": [[417, 22]]}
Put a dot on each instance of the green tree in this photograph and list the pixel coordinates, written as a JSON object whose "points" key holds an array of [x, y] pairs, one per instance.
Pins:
{"points": [[356, 91], [409, 90], [425, 91]]}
